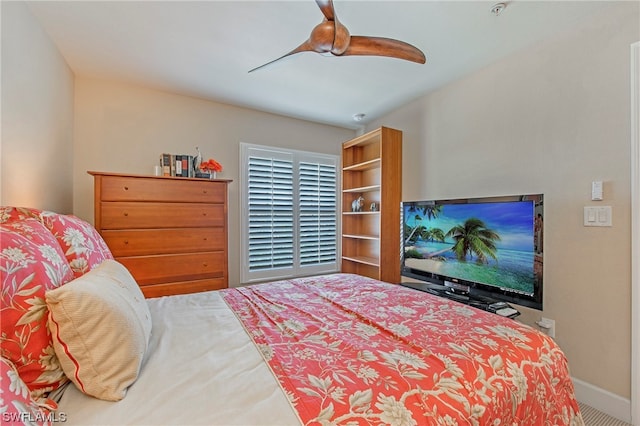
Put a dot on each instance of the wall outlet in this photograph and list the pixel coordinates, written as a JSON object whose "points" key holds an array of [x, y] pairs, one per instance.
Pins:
{"points": [[547, 326]]}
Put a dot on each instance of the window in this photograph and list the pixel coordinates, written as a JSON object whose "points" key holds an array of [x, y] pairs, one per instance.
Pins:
{"points": [[289, 213]]}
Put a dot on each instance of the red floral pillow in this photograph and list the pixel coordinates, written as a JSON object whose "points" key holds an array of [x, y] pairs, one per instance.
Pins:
{"points": [[16, 405], [82, 245], [9, 214], [31, 262]]}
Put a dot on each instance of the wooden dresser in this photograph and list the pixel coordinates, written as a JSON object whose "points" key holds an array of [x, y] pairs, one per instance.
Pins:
{"points": [[171, 233]]}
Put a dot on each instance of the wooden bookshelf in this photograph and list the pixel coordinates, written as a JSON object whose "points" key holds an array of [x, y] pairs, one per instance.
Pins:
{"points": [[372, 168]]}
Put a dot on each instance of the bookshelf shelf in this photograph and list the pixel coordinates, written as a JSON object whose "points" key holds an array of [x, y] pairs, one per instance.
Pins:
{"points": [[366, 165], [361, 237], [371, 261], [361, 213], [368, 188]]}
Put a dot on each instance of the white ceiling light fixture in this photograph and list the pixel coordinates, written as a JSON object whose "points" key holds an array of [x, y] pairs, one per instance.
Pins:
{"points": [[358, 117], [497, 8]]}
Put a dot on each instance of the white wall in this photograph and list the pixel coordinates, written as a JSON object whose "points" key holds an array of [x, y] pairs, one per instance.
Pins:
{"points": [[123, 128], [37, 116], [548, 120]]}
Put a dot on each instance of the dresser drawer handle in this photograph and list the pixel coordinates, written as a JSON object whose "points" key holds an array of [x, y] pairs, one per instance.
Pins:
{"points": [[205, 264], [126, 242], [126, 214], [126, 188]]}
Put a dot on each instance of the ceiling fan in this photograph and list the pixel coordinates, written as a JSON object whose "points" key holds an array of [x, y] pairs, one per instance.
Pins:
{"points": [[330, 36]]}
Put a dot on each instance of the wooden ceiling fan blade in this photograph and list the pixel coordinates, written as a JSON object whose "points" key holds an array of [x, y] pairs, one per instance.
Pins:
{"points": [[380, 46], [326, 7], [304, 47]]}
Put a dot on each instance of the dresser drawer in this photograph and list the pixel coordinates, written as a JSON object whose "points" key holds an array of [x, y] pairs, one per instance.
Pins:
{"points": [[175, 267], [138, 242], [126, 188], [182, 287], [130, 215]]}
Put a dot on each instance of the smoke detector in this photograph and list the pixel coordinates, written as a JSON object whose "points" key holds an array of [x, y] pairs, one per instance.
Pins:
{"points": [[497, 8]]}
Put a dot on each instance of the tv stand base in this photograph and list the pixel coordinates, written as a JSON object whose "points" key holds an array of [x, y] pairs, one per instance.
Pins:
{"points": [[481, 302]]}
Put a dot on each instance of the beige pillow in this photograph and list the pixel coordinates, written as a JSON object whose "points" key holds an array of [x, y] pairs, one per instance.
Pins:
{"points": [[100, 325]]}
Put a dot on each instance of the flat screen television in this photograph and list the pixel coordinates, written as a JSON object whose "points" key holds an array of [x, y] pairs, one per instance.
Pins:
{"points": [[489, 247]]}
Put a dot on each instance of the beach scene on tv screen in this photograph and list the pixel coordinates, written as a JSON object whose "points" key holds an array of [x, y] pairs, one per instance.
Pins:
{"points": [[488, 243]]}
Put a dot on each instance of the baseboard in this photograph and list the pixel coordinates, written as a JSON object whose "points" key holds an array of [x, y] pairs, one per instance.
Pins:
{"points": [[603, 400]]}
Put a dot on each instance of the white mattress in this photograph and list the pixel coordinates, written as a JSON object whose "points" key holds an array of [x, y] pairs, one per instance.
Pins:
{"points": [[201, 368]]}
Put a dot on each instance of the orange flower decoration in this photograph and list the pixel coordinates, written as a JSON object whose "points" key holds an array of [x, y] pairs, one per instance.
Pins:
{"points": [[210, 165]]}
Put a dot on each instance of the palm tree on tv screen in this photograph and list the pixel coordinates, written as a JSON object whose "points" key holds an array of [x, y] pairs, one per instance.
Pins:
{"points": [[436, 234], [474, 238], [412, 232], [431, 211]]}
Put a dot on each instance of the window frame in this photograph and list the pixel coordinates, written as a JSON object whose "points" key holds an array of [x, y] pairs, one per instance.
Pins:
{"points": [[297, 156]]}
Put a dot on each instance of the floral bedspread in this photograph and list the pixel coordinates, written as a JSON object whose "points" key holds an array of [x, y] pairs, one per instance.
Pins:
{"points": [[349, 350]]}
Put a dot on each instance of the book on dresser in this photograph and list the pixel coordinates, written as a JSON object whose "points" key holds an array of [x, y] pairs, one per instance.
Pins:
{"points": [[170, 232], [178, 165]]}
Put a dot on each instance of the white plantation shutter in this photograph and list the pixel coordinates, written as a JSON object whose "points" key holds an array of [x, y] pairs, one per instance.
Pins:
{"points": [[290, 215], [270, 197], [317, 213]]}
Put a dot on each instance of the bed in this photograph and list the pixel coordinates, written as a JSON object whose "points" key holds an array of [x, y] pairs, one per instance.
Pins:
{"points": [[335, 349]]}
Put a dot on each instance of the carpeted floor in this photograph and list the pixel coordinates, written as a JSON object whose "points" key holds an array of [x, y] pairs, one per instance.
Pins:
{"points": [[593, 417]]}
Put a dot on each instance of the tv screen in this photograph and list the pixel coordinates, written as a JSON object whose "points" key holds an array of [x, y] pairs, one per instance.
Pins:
{"points": [[489, 246]]}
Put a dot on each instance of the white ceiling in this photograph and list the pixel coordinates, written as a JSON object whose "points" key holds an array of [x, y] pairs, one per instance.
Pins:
{"points": [[205, 49]]}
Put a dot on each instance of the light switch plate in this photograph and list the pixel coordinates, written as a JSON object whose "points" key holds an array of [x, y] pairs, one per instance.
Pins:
{"points": [[597, 216], [596, 190]]}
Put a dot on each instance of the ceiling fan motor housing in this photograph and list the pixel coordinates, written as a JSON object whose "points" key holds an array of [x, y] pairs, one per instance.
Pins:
{"points": [[330, 36]]}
